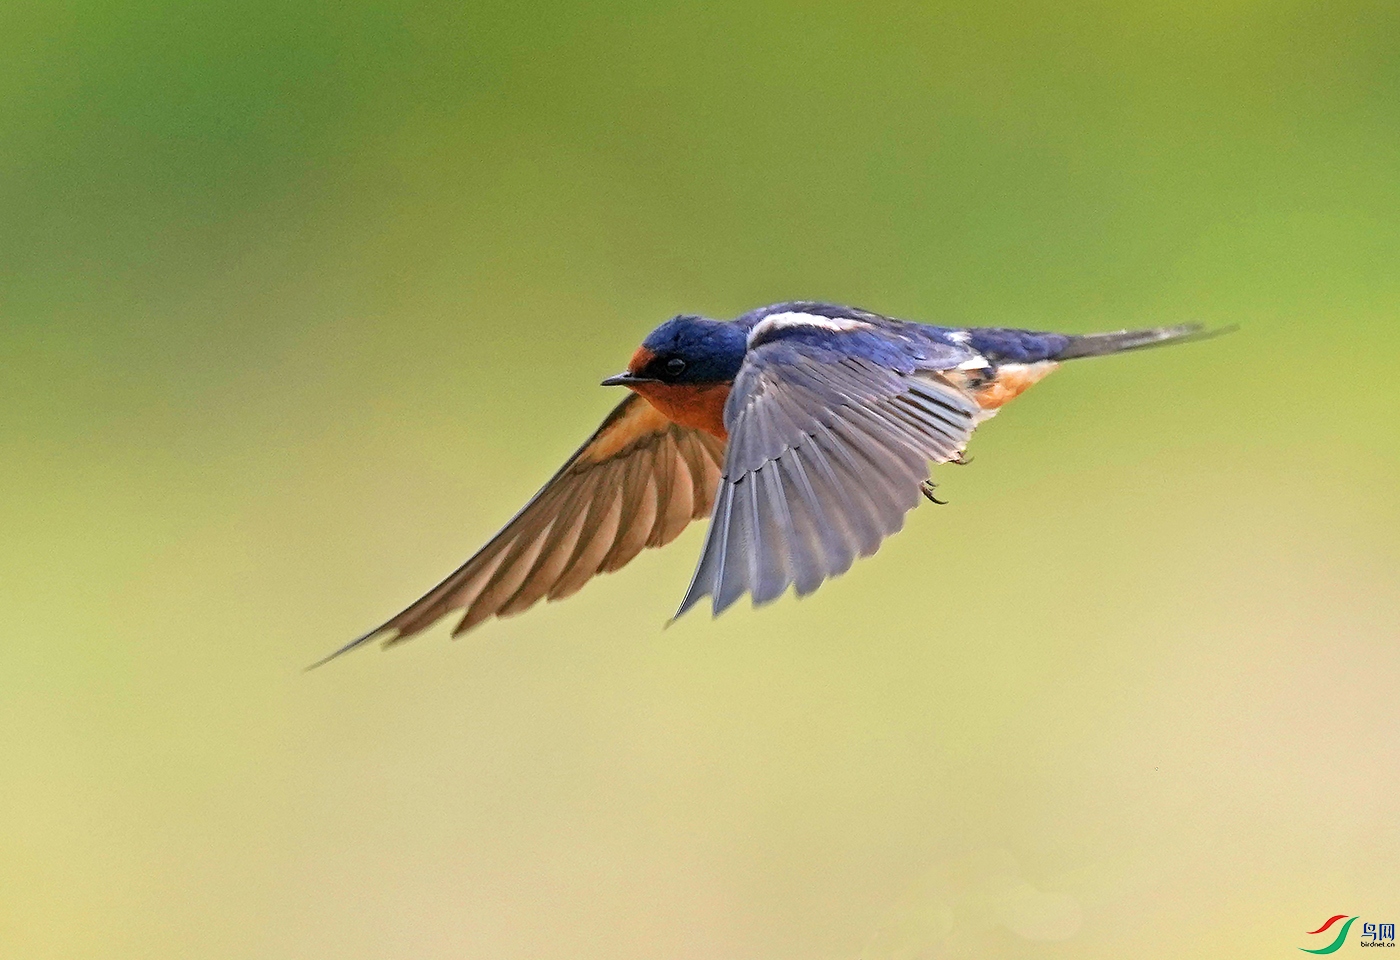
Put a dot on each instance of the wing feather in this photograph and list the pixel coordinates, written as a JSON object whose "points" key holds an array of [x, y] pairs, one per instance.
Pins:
{"points": [[679, 497], [779, 539], [637, 482], [605, 514], [828, 540], [640, 508], [826, 456]]}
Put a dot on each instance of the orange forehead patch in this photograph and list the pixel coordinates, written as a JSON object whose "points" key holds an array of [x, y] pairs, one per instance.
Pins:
{"points": [[640, 359]]}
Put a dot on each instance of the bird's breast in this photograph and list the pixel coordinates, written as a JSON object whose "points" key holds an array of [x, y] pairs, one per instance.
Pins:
{"points": [[696, 405]]}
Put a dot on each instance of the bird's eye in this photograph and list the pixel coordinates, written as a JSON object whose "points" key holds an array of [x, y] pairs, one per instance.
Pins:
{"points": [[675, 366]]}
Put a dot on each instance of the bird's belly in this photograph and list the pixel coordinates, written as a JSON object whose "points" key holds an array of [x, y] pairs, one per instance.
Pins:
{"points": [[700, 406]]}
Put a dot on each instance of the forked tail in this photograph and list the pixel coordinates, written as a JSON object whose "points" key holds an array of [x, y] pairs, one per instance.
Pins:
{"points": [[1098, 344]]}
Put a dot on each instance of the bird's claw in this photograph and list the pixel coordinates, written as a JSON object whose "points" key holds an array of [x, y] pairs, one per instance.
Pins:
{"points": [[927, 488]]}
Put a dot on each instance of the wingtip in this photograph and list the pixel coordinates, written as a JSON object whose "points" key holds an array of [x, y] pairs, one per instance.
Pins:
{"points": [[716, 608], [691, 599], [359, 641]]}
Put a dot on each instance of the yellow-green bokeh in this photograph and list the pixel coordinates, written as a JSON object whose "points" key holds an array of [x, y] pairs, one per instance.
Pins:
{"points": [[298, 302]]}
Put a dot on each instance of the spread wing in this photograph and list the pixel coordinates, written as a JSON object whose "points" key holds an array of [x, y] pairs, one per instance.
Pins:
{"points": [[826, 455], [635, 483]]}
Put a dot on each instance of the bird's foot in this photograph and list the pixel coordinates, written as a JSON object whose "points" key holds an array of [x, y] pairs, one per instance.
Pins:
{"points": [[927, 488]]}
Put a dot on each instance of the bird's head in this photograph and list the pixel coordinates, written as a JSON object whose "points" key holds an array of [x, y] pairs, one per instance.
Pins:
{"points": [[686, 351]]}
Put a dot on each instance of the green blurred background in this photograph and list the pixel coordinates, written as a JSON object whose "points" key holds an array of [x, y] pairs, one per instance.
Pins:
{"points": [[300, 302]]}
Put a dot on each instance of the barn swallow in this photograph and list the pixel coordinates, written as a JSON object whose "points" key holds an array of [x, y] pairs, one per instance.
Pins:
{"points": [[805, 428]]}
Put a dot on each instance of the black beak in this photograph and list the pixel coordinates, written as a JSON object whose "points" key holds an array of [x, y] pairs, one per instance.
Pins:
{"points": [[625, 379]]}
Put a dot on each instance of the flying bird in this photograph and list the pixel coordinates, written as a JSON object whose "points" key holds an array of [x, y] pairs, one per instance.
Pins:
{"points": [[804, 430]]}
